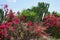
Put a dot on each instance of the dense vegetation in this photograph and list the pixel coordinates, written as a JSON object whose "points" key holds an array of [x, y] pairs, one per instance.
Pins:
{"points": [[31, 23]]}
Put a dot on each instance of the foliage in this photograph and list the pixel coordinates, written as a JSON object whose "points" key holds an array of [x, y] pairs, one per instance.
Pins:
{"points": [[56, 14], [30, 15], [1, 15], [28, 24], [40, 9], [20, 30], [54, 25]]}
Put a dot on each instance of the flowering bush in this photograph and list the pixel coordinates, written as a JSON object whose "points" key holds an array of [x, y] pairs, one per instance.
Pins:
{"points": [[54, 25], [18, 28], [26, 26]]}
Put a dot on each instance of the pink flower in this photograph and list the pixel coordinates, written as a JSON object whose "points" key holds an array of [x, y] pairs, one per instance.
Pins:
{"points": [[22, 16], [28, 29], [9, 23], [50, 20], [38, 30], [3, 30], [3, 26], [10, 15], [24, 24], [11, 29], [30, 23], [16, 20], [9, 37], [58, 22], [5, 6], [4, 33]]}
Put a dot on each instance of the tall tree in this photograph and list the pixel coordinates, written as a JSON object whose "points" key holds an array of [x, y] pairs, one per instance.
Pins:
{"points": [[40, 9]]}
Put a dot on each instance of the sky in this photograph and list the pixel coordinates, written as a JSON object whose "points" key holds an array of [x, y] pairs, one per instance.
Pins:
{"points": [[24, 4]]}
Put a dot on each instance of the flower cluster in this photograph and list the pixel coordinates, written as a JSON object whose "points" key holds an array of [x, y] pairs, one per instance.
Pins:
{"points": [[51, 20], [14, 26], [18, 28]]}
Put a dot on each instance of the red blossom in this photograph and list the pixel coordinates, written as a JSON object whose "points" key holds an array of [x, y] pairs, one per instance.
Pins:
{"points": [[22, 16], [28, 29], [10, 15], [4, 33], [23, 21], [50, 20], [9, 37], [24, 24], [9, 23], [58, 22], [3, 30], [5, 6], [11, 30], [30, 23], [39, 29], [16, 20], [2, 26]]}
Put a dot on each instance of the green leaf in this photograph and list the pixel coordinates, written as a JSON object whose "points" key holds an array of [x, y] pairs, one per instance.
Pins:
{"points": [[25, 12], [32, 13]]}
